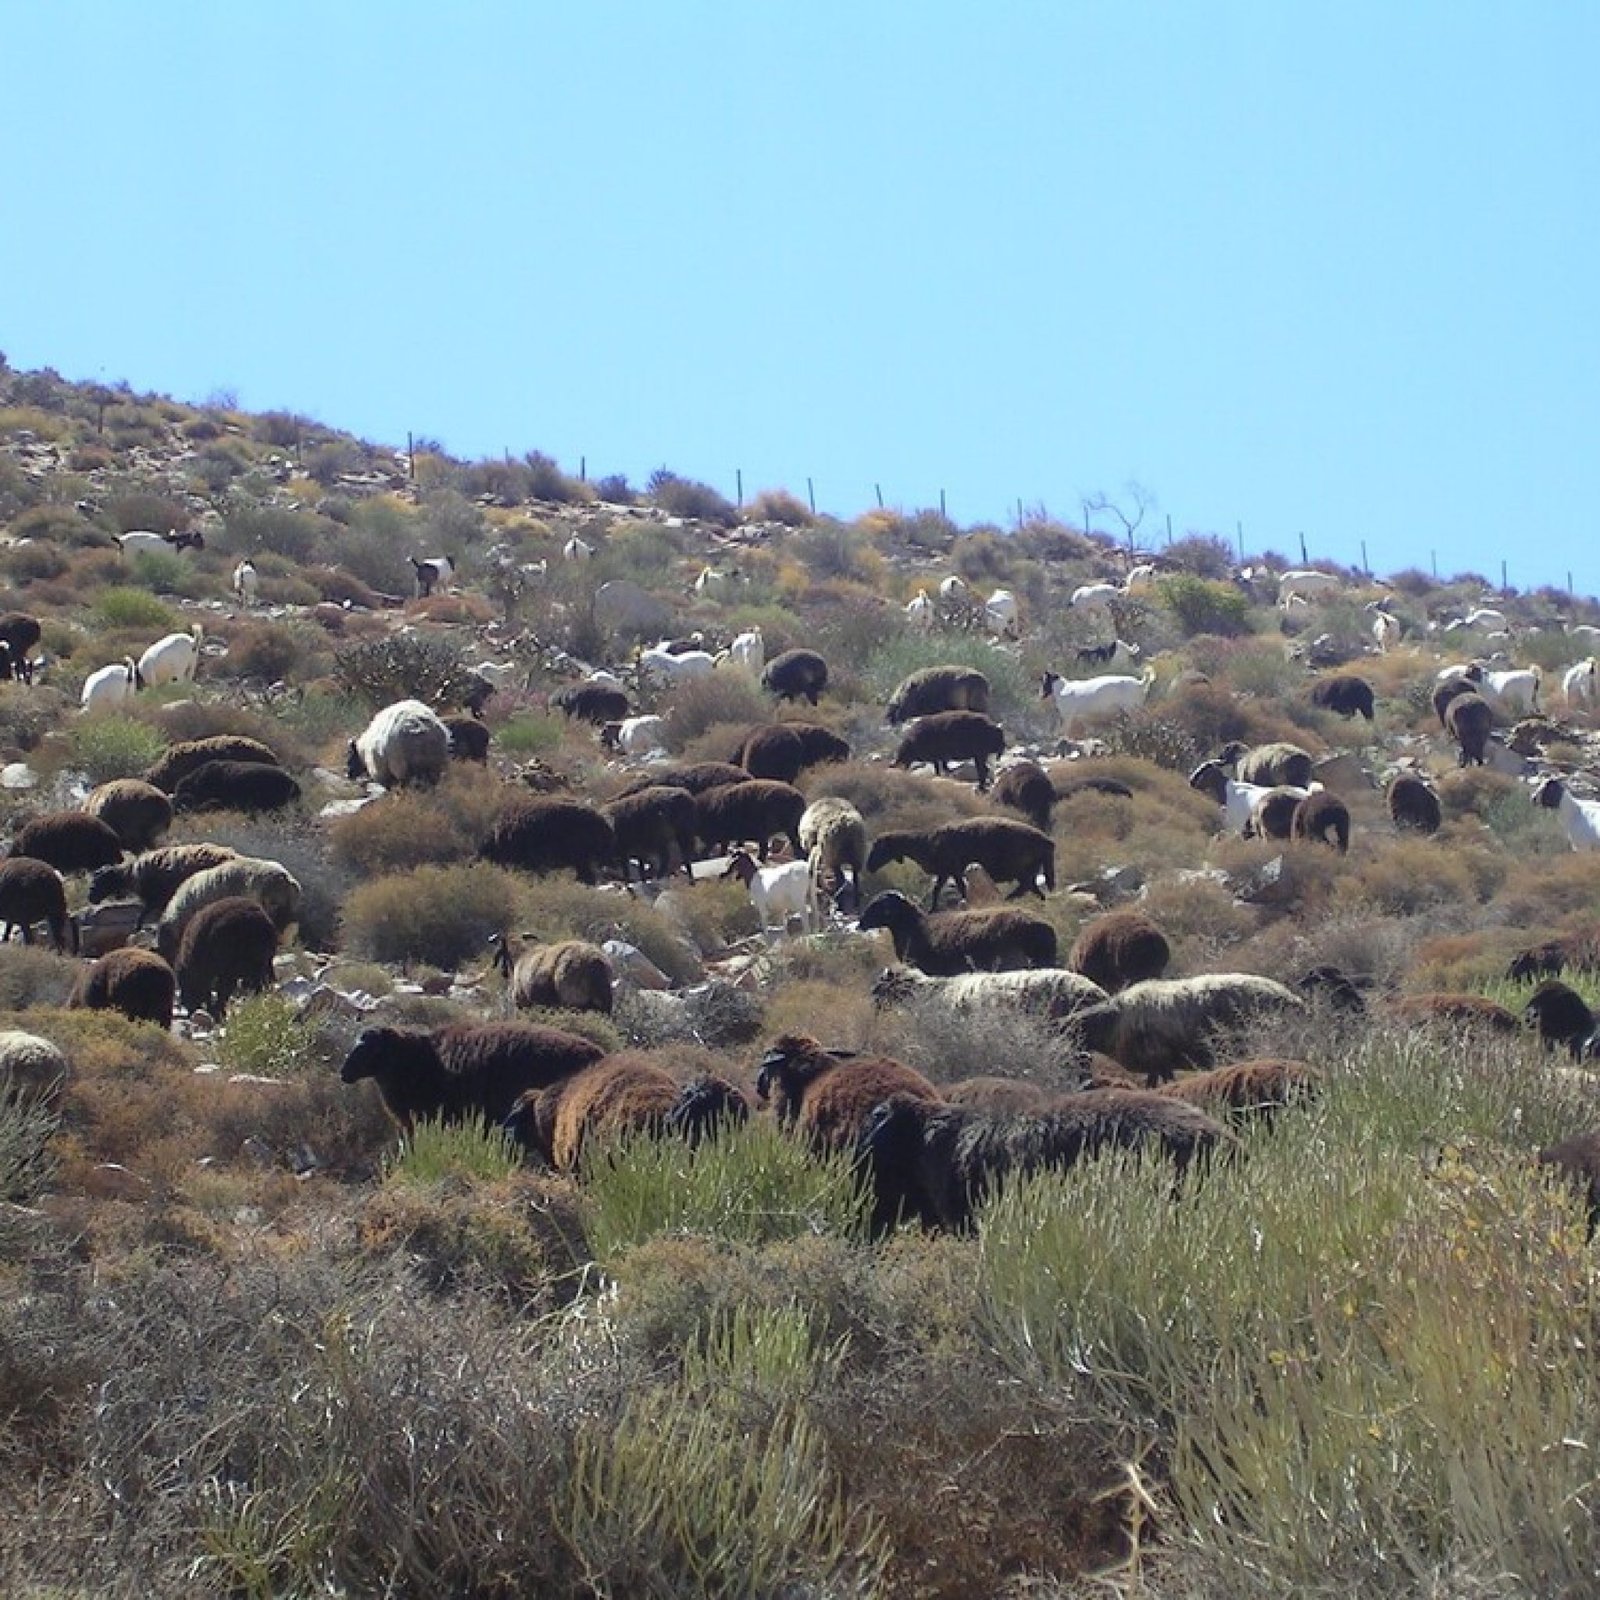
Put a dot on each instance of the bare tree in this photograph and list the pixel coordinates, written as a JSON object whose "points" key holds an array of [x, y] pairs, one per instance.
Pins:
{"points": [[1129, 507]]}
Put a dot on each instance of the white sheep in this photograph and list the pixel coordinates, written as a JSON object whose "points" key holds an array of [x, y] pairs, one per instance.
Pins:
{"points": [[576, 549], [110, 686], [32, 1068], [1000, 613], [404, 743], [636, 736], [1141, 579], [1307, 583], [953, 588], [1579, 819], [833, 835], [262, 879], [172, 658], [1081, 699], [1034, 991], [676, 668], [920, 611], [778, 893], [1580, 685], [245, 581]]}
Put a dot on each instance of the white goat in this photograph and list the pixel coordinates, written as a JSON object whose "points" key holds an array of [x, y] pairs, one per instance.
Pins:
{"points": [[1308, 584], [953, 588], [920, 611], [1580, 685], [748, 650], [1140, 579], [676, 668], [172, 658], [576, 549], [1512, 693], [110, 686], [712, 582], [778, 893], [636, 736], [1094, 596], [1238, 799], [1080, 699], [1580, 819], [244, 581], [1000, 613]]}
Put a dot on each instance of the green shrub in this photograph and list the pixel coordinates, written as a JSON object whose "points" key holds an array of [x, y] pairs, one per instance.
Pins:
{"points": [[435, 1151], [529, 733], [132, 608], [439, 915], [1201, 605], [266, 1037], [108, 746]]}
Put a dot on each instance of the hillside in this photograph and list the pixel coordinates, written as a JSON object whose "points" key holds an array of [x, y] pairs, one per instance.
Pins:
{"points": [[257, 1338]]}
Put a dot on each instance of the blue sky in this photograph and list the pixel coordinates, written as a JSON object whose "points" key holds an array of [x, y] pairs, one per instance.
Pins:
{"points": [[1310, 269]]}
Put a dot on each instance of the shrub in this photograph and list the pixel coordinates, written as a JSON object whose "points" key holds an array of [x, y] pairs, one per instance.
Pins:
{"points": [[530, 733], [28, 714], [404, 667], [132, 608], [108, 746], [698, 704], [26, 1163], [411, 828], [31, 975], [1200, 605], [274, 651], [778, 505], [266, 1037], [435, 1152], [156, 513], [683, 497], [1202, 555], [439, 915]]}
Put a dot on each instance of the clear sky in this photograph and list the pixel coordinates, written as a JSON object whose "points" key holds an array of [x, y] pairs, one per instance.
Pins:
{"points": [[1308, 268]]}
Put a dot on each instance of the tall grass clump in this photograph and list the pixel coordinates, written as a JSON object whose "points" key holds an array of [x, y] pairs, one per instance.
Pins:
{"points": [[266, 1037], [26, 1164], [436, 1151]]}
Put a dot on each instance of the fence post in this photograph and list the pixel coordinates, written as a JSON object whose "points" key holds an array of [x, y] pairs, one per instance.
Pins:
{"points": [[1433, 557], [411, 456], [1169, 527], [738, 478], [1305, 560], [941, 506], [1019, 514], [1239, 535], [877, 489], [1364, 567], [1503, 584], [583, 469], [811, 495]]}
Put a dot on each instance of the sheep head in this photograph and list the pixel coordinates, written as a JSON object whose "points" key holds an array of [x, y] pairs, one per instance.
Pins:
{"points": [[889, 910], [374, 1050]]}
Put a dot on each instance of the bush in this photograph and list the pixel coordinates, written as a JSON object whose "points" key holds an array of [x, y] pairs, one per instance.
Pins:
{"points": [[683, 497], [1200, 605], [26, 1164], [778, 505], [107, 746], [266, 1037], [435, 1152], [530, 733], [1202, 555], [411, 828], [404, 667], [133, 608], [442, 916], [721, 697]]}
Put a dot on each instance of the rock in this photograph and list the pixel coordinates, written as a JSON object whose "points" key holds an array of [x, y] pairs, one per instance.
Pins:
{"points": [[631, 963], [1342, 773], [18, 775], [107, 926]]}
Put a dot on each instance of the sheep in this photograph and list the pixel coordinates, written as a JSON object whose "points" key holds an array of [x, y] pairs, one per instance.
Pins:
{"points": [[796, 674], [179, 760], [833, 835], [69, 841], [1010, 852], [1337, 988], [953, 589], [937, 1164], [1026, 787], [1118, 653], [576, 549], [1561, 1016], [1449, 689], [570, 975], [245, 581], [756, 809], [1277, 763], [661, 661], [950, 736], [1272, 816], [1468, 720], [635, 736], [1577, 949], [783, 750], [1580, 819], [32, 891], [404, 743], [706, 1104], [136, 811], [1307, 584], [777, 893], [469, 739], [1000, 613], [1160, 1024], [997, 939], [616, 1097], [932, 689], [1258, 1087], [432, 572], [1580, 684], [110, 686], [590, 702], [1119, 948], [1324, 818], [1483, 617], [1239, 801], [1576, 1158], [1036, 991], [15, 667], [1513, 692], [696, 777], [1454, 1010], [1080, 700], [1094, 596], [228, 945], [1412, 804], [235, 786], [1345, 694], [920, 611], [544, 834], [1066, 787], [21, 631], [825, 1098], [1000, 1097], [153, 878], [173, 658], [463, 1070], [269, 883], [138, 983], [33, 1070], [648, 825]]}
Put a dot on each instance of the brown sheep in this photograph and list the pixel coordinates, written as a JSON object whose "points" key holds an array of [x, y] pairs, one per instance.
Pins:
{"points": [[935, 689], [1026, 787], [757, 809], [1468, 720], [469, 739], [615, 1096], [1262, 1086], [951, 736], [827, 1097], [136, 811], [796, 674], [1119, 948], [696, 777], [648, 826], [591, 702], [1412, 804], [153, 878], [1578, 950], [1344, 694], [228, 945], [784, 750], [997, 939], [180, 759], [1324, 818], [138, 983], [69, 841], [544, 834], [1010, 852], [1000, 1097], [30, 892], [1269, 765], [1578, 1160], [705, 1105], [1272, 816], [571, 975], [1561, 1016], [250, 786], [1452, 689], [1459, 1010]]}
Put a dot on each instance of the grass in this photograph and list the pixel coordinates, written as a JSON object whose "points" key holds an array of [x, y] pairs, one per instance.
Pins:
{"points": [[436, 1152]]}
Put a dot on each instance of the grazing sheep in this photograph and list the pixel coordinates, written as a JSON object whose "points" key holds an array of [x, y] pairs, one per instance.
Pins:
{"points": [[614, 1097], [1580, 684], [1576, 1158], [1279, 764], [998, 939], [1036, 991], [136, 811], [1240, 802], [245, 581], [228, 945], [946, 737], [1579, 819], [648, 825], [1577, 950], [69, 841], [469, 739], [432, 572], [404, 743], [757, 809], [269, 883], [545, 834], [783, 750], [796, 674], [235, 786], [951, 688], [1413, 805], [705, 1105], [1344, 694], [833, 835], [636, 736], [1454, 1010], [827, 1098], [1000, 1097], [172, 658], [180, 759], [1066, 787], [1451, 688], [154, 877], [138, 983], [1161, 1024], [571, 975], [32, 891], [1026, 787], [21, 631], [1079, 700], [14, 666], [1323, 818], [1120, 948], [1339, 989], [1306, 583], [33, 1070], [936, 1164], [1010, 852], [1468, 720], [1261, 1087], [590, 702], [1561, 1016], [463, 1070], [110, 686], [696, 777], [777, 893]]}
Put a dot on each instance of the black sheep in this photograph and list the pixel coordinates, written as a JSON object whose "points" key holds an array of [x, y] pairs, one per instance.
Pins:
{"points": [[1561, 1016], [1026, 787], [951, 736], [1577, 949], [648, 826], [1323, 818], [544, 834], [937, 1164], [138, 983], [696, 777], [795, 675], [706, 1104], [591, 702], [469, 739], [1468, 721], [463, 1070], [1010, 852], [32, 891], [1413, 806], [1338, 988], [227, 945], [69, 840], [999, 939], [136, 811], [180, 759], [235, 786], [1120, 948], [757, 809], [1578, 1160], [1452, 688], [934, 689], [1345, 694], [784, 750]]}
